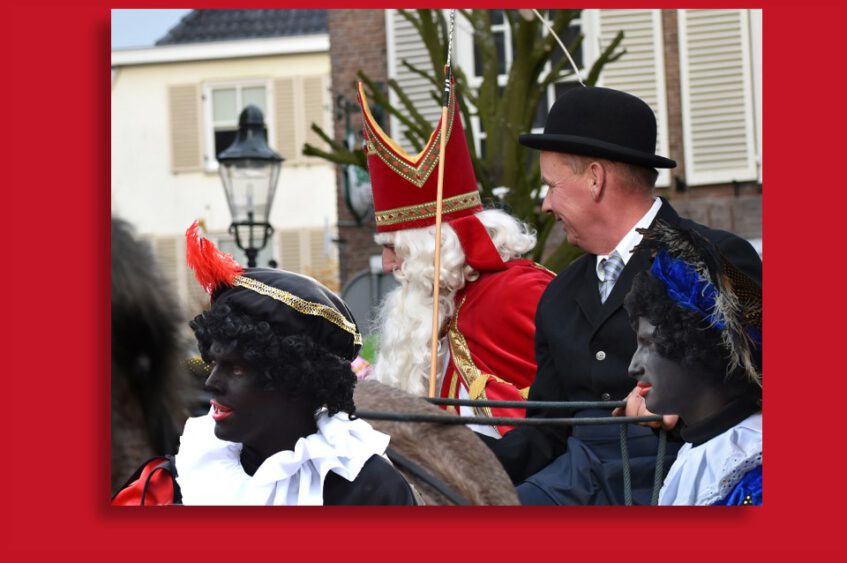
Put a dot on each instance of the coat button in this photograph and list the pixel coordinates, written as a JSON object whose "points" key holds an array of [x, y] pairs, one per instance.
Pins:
{"points": [[601, 355], [606, 397]]}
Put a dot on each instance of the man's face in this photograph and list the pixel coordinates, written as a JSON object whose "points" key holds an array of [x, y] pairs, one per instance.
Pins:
{"points": [[667, 386], [243, 411], [568, 197]]}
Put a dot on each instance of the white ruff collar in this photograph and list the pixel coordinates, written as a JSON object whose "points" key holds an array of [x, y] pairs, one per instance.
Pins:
{"points": [[705, 474], [210, 473]]}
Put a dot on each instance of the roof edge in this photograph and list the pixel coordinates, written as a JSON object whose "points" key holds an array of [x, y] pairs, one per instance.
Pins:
{"points": [[216, 50]]}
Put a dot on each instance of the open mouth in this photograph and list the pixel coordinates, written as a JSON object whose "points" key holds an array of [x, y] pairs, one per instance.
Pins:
{"points": [[643, 388], [219, 411]]}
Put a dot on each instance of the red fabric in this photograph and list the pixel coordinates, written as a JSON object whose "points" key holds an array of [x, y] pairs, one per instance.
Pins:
{"points": [[497, 320], [480, 252], [160, 490], [392, 191]]}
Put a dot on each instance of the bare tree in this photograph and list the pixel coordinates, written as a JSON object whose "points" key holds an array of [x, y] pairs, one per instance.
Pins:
{"points": [[504, 112]]}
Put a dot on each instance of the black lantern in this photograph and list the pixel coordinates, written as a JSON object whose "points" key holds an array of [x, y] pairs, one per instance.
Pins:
{"points": [[249, 170]]}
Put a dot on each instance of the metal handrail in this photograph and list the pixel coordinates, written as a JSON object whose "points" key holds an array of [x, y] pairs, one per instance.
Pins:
{"points": [[502, 420], [550, 405], [528, 404]]}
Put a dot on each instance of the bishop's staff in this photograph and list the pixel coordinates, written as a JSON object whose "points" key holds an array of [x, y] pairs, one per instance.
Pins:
{"points": [[448, 76]]}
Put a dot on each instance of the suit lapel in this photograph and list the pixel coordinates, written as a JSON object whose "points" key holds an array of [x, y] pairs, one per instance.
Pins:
{"points": [[588, 295], [638, 262]]}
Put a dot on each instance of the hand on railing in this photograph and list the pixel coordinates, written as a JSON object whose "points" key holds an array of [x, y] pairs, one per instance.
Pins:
{"points": [[637, 406]]}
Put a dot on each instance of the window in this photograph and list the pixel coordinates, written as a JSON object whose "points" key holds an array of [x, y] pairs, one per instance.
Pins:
{"points": [[505, 50], [716, 78], [224, 103], [404, 43]]}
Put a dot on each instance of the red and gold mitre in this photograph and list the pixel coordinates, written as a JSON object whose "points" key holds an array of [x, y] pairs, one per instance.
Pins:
{"points": [[405, 186]]}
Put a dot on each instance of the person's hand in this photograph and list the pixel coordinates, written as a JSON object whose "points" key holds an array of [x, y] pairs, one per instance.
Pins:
{"points": [[637, 406], [361, 367]]}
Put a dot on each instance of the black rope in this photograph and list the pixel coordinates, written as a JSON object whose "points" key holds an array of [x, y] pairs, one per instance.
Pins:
{"points": [[501, 420], [659, 476], [552, 405], [399, 459], [627, 477]]}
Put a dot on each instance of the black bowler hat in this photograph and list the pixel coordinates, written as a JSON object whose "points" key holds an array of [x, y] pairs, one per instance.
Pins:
{"points": [[601, 122]]}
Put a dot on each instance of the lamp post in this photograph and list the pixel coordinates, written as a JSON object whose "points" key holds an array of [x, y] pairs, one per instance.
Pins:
{"points": [[249, 170]]}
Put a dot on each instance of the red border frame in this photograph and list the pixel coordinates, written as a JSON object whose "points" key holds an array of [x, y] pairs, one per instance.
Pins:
{"points": [[55, 336]]}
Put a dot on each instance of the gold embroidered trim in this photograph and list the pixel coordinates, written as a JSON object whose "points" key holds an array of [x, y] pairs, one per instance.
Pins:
{"points": [[300, 305], [473, 377], [428, 159], [454, 392], [542, 268], [426, 210]]}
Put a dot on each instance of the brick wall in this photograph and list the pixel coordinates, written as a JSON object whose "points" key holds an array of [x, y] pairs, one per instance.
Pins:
{"points": [[357, 42]]}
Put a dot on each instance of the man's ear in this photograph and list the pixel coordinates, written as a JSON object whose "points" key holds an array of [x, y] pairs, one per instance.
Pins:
{"points": [[597, 178]]}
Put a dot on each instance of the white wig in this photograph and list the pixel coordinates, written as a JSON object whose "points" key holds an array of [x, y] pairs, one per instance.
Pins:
{"points": [[405, 316]]}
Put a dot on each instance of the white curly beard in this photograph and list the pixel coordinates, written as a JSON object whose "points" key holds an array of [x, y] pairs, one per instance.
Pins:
{"points": [[405, 316]]}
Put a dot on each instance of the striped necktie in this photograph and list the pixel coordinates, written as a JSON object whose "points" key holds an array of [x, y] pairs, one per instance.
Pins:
{"points": [[612, 267]]}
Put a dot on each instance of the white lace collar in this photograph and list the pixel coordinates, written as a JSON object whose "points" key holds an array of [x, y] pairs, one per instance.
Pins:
{"points": [[210, 473], [705, 474]]}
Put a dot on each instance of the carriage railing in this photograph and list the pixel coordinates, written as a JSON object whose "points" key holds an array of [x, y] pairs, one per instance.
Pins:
{"points": [[623, 421]]}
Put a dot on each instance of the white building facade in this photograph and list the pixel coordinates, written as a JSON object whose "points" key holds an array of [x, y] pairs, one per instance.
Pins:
{"points": [[174, 107]]}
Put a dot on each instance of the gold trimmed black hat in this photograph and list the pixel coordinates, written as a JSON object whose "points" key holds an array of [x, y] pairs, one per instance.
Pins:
{"points": [[292, 303]]}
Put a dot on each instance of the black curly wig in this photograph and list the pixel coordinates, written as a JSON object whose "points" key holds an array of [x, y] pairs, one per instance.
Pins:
{"points": [[294, 363], [681, 334]]}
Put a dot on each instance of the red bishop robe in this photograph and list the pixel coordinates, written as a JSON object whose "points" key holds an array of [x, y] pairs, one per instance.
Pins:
{"points": [[492, 337]]}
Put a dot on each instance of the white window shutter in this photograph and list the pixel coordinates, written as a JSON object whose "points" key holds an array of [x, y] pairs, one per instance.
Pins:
{"points": [[717, 101], [404, 43], [186, 142], [286, 121], [641, 71], [289, 246], [315, 110], [298, 102], [170, 260]]}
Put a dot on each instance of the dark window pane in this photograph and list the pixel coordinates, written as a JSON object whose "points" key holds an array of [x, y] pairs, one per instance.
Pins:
{"points": [[568, 38], [496, 17], [499, 44], [223, 139], [540, 113], [481, 151], [477, 61]]}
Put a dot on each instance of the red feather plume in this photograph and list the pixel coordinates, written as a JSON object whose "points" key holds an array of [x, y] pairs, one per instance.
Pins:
{"points": [[212, 267]]}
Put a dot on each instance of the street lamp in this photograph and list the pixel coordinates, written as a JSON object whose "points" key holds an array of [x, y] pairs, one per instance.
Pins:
{"points": [[249, 170]]}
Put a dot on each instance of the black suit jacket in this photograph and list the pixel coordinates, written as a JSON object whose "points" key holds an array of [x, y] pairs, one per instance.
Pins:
{"points": [[583, 347]]}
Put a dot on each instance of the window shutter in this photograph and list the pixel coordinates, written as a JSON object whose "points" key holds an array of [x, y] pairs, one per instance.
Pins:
{"points": [[299, 102], [323, 266], [641, 71], [404, 43], [170, 260], [717, 105], [165, 251], [186, 144], [317, 247], [289, 245], [286, 122], [315, 111]]}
